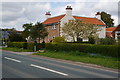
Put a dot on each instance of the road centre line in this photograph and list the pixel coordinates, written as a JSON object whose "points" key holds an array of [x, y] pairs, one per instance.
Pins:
{"points": [[48, 69], [87, 66], [12, 59]]}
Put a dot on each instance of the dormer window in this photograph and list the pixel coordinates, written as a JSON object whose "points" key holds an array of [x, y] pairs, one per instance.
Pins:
{"points": [[54, 27]]}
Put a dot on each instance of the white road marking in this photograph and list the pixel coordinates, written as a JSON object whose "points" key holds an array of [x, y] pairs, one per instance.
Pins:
{"points": [[48, 69], [12, 59]]}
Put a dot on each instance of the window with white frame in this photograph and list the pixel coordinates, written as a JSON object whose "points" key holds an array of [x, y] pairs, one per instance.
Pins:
{"points": [[54, 26]]}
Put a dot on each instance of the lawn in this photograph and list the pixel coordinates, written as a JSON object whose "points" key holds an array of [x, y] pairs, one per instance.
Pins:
{"points": [[16, 49], [83, 57]]}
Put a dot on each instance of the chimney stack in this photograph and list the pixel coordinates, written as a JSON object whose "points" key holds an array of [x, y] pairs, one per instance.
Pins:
{"points": [[98, 15], [69, 10], [47, 14]]}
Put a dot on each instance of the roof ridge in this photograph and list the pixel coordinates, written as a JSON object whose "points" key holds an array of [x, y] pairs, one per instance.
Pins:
{"points": [[57, 16], [87, 19], [111, 29], [84, 17], [53, 19]]}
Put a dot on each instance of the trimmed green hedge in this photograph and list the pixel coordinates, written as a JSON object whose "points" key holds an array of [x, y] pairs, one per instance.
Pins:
{"points": [[25, 45], [106, 50], [16, 44]]}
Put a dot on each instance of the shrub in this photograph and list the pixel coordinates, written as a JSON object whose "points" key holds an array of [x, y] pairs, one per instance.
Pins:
{"points": [[58, 40], [30, 46], [107, 41], [118, 42], [25, 45], [91, 40], [16, 44], [106, 50], [9, 44]]}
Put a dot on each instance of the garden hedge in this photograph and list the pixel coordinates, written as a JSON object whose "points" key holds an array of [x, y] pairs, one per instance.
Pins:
{"points": [[25, 45], [106, 50]]}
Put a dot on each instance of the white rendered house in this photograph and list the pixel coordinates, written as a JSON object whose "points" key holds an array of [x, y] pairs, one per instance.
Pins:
{"points": [[54, 24]]}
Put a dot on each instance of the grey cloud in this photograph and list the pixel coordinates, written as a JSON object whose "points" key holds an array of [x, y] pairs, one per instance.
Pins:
{"points": [[13, 6], [119, 12], [11, 11], [11, 17], [17, 14]]}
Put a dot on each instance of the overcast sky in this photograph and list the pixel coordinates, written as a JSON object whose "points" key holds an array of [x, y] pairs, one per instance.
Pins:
{"points": [[14, 14]]}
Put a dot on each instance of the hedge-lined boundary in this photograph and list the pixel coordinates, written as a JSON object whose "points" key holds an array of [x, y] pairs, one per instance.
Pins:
{"points": [[106, 50], [25, 45]]}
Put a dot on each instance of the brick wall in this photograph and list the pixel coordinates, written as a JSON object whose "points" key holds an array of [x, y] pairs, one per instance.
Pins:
{"points": [[53, 32]]}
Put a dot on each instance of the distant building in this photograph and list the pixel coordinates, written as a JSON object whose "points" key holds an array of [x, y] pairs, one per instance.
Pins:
{"points": [[54, 24], [5, 34], [3, 37], [113, 32]]}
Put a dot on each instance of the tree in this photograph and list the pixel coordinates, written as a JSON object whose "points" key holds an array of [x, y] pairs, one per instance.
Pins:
{"points": [[12, 35], [27, 28], [107, 41], [12, 29], [80, 29], [38, 31], [106, 18], [15, 37]]}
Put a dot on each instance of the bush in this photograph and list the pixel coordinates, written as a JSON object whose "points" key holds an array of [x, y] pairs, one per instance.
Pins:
{"points": [[91, 40], [30, 46], [16, 44], [15, 37], [58, 40], [106, 50], [118, 42], [107, 41], [25, 45]]}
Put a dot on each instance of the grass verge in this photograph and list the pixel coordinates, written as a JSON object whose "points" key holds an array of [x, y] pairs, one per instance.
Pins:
{"points": [[83, 57], [16, 49], [76, 56]]}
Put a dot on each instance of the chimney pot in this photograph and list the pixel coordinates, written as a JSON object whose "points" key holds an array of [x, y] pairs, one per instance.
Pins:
{"points": [[69, 10], [47, 14], [69, 7]]}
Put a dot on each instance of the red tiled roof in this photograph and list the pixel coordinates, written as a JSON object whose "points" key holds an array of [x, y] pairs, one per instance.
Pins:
{"points": [[86, 19], [109, 34], [90, 20], [118, 28], [111, 29], [53, 19]]}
